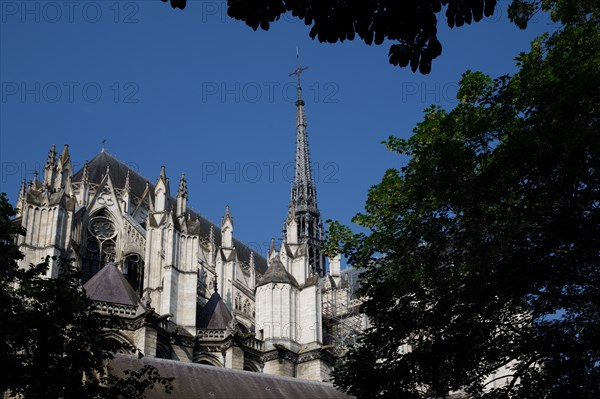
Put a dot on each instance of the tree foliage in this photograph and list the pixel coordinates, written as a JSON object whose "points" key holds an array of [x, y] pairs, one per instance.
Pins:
{"points": [[52, 343], [410, 24], [483, 257]]}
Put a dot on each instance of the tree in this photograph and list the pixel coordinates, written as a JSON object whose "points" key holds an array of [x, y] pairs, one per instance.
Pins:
{"points": [[483, 251], [52, 343], [411, 24]]}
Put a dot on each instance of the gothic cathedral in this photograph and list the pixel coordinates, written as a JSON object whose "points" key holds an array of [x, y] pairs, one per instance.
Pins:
{"points": [[185, 288]]}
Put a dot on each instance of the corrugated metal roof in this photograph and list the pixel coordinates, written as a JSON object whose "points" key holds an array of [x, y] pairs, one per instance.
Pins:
{"points": [[199, 381]]}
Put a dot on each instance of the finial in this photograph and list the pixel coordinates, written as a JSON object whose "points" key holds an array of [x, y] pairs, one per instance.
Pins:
{"points": [[272, 248], [64, 157], [127, 186], [226, 217], [163, 173], [51, 161], [102, 144], [35, 176], [291, 210], [182, 190], [85, 177], [22, 192]]}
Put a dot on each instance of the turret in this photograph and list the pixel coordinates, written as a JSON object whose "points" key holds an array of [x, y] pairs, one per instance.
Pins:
{"points": [[161, 191], [227, 230], [64, 170]]}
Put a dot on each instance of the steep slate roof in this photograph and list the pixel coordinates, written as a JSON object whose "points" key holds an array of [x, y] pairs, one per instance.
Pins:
{"points": [[276, 273], [137, 183], [199, 381], [109, 285], [214, 314]]}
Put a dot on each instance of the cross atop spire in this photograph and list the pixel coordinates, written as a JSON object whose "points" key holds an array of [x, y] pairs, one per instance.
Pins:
{"points": [[298, 71]]}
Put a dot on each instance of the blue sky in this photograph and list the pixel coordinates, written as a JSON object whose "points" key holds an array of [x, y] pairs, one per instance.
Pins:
{"points": [[203, 94]]}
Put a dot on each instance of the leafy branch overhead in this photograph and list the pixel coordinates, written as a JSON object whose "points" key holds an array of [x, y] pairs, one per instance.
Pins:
{"points": [[410, 24]]}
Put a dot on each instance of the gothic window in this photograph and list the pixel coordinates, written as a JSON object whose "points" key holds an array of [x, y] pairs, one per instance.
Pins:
{"points": [[246, 306], [133, 270], [100, 246]]}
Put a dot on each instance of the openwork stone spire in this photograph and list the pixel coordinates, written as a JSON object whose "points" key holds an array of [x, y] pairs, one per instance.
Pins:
{"points": [[304, 225], [304, 194]]}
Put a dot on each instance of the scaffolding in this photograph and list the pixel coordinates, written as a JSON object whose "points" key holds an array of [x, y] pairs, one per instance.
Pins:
{"points": [[342, 319]]}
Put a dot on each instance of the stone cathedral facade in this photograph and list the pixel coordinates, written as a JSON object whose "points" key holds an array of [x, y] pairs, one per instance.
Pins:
{"points": [[186, 288]]}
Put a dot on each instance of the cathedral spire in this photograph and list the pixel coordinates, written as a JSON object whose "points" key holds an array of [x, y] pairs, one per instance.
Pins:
{"points": [[303, 225], [303, 187]]}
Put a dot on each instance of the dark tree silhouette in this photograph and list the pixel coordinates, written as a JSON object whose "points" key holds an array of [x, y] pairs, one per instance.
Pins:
{"points": [[411, 24], [52, 342], [482, 265]]}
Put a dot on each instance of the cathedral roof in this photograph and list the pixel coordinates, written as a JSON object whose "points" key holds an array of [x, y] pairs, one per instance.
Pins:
{"points": [[276, 273], [117, 171], [202, 381], [196, 223], [109, 285], [215, 314]]}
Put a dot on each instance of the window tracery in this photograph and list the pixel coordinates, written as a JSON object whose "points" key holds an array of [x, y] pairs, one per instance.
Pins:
{"points": [[100, 244]]}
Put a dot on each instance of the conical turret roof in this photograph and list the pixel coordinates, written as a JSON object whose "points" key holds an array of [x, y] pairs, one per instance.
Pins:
{"points": [[109, 285], [276, 273]]}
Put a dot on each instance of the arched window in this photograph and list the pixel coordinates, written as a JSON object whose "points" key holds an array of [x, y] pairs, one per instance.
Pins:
{"points": [[100, 245], [133, 270], [246, 306]]}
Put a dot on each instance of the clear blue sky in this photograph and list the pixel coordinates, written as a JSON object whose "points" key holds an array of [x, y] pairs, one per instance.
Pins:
{"points": [[203, 94]]}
